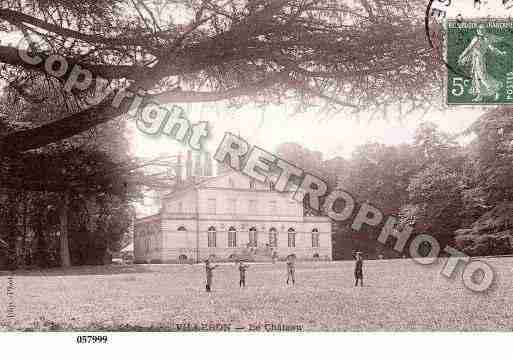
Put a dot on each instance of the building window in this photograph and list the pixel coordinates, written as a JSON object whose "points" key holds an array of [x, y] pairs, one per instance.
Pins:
{"points": [[211, 205], [252, 184], [271, 186], [315, 238], [232, 237], [231, 183], [253, 207], [273, 237], [273, 207], [292, 237], [211, 237], [232, 203], [253, 242], [181, 234], [180, 207]]}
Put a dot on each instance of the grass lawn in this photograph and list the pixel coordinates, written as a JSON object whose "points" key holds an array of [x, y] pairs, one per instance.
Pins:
{"points": [[398, 295]]}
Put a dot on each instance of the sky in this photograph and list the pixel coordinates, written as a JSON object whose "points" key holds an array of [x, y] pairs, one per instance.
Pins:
{"points": [[331, 135], [335, 135]]}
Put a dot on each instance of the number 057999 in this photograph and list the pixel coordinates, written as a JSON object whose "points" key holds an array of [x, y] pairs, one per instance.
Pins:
{"points": [[92, 339]]}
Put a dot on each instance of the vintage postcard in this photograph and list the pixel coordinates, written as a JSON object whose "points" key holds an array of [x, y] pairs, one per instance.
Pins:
{"points": [[259, 167]]}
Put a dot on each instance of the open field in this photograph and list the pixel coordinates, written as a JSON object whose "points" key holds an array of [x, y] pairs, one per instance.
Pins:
{"points": [[399, 295]]}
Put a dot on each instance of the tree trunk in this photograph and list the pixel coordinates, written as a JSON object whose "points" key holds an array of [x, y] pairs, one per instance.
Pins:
{"points": [[64, 244], [12, 235]]}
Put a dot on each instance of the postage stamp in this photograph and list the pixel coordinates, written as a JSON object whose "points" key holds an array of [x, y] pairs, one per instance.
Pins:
{"points": [[480, 59]]}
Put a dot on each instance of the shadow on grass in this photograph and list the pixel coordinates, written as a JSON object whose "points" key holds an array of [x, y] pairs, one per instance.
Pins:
{"points": [[82, 270]]}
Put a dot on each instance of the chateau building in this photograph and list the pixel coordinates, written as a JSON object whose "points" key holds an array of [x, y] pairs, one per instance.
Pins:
{"points": [[230, 216]]}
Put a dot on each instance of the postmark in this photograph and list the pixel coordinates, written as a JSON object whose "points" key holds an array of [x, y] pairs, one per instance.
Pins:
{"points": [[437, 12], [481, 53]]}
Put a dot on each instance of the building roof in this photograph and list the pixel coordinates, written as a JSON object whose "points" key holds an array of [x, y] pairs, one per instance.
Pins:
{"points": [[196, 183]]}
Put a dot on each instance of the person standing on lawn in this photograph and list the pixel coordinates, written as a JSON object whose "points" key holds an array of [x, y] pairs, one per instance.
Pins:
{"points": [[358, 269], [242, 270], [291, 270], [209, 269]]}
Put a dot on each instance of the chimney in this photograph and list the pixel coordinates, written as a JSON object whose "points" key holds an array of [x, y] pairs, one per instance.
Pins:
{"points": [[222, 168], [208, 170], [188, 165], [178, 169], [197, 165]]}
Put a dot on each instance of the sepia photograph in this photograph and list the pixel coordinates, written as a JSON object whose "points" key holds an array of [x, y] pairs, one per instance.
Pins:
{"points": [[255, 166]]}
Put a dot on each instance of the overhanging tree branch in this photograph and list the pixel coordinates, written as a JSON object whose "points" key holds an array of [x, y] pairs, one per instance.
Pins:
{"points": [[11, 55], [15, 18], [231, 50]]}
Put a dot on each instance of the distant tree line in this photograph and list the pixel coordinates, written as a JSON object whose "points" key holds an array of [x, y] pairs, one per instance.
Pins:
{"points": [[460, 192]]}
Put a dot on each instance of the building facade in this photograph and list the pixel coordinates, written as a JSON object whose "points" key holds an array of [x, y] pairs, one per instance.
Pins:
{"points": [[227, 217]]}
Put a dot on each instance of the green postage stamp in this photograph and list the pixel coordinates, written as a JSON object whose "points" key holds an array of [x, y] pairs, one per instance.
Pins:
{"points": [[480, 62]]}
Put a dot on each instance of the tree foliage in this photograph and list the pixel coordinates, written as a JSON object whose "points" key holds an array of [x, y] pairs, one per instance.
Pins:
{"points": [[460, 194], [489, 198]]}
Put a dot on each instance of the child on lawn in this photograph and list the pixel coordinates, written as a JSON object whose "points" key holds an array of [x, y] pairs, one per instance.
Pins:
{"points": [[242, 270], [209, 269], [291, 270], [358, 269]]}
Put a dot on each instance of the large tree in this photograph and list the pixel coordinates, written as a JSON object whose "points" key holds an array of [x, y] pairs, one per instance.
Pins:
{"points": [[435, 201], [362, 54], [491, 195]]}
